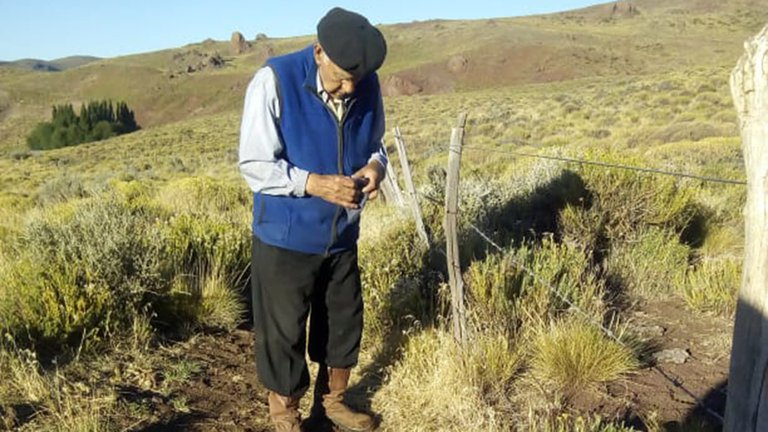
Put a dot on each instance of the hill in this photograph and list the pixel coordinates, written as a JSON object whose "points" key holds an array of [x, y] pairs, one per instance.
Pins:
{"points": [[49, 66], [616, 39]]}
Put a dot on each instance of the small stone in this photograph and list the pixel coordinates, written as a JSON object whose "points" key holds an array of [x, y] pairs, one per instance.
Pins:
{"points": [[650, 331], [676, 356]]}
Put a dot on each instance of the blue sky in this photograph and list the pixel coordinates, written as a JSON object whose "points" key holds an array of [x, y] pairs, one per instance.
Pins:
{"points": [[53, 29]]}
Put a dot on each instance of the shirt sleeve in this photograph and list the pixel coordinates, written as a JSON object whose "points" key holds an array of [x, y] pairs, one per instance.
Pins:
{"points": [[260, 150], [379, 152]]}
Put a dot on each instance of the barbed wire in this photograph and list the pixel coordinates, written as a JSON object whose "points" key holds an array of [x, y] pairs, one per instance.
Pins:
{"points": [[608, 165]]}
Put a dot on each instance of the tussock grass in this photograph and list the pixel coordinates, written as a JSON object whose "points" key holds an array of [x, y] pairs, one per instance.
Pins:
{"points": [[66, 406], [435, 386], [393, 272], [207, 298], [573, 355], [712, 286], [572, 423]]}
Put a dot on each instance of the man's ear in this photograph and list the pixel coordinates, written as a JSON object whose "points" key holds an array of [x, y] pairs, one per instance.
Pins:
{"points": [[318, 51]]}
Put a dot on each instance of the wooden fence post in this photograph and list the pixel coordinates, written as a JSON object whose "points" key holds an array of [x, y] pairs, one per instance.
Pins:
{"points": [[458, 311], [413, 198], [746, 407], [391, 189]]}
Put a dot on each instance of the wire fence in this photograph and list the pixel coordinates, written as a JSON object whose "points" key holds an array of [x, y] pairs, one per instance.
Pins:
{"points": [[608, 165], [564, 298]]}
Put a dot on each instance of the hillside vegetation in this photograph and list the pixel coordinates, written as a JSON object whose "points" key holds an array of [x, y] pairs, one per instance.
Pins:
{"points": [[118, 257]]}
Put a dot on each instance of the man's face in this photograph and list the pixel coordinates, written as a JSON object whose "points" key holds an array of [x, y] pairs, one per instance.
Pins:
{"points": [[336, 81]]}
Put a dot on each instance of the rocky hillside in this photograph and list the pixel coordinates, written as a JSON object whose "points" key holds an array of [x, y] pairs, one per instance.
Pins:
{"points": [[624, 38]]}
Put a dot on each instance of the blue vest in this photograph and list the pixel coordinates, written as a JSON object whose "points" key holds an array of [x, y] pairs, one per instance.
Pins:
{"points": [[314, 140]]}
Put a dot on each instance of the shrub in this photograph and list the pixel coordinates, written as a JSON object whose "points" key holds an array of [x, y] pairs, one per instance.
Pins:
{"points": [[87, 267], [630, 201], [60, 189], [191, 242], [687, 131], [648, 266], [82, 269], [198, 195]]}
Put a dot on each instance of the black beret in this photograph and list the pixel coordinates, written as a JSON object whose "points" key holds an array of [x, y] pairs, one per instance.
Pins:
{"points": [[351, 42]]}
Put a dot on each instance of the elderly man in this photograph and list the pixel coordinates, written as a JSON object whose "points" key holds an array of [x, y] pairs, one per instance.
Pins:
{"points": [[311, 151]]}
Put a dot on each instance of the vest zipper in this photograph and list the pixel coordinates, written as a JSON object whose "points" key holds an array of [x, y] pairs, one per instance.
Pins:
{"points": [[340, 141], [340, 133]]}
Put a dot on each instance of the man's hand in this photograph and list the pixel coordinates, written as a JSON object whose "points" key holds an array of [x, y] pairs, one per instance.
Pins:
{"points": [[372, 174], [336, 189]]}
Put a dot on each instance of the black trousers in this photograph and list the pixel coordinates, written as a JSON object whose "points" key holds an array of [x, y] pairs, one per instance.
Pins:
{"points": [[287, 288]]}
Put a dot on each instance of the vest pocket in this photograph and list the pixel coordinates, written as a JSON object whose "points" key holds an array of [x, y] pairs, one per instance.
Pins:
{"points": [[273, 220]]}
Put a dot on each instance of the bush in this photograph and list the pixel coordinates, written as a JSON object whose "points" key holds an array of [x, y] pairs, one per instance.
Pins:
{"points": [[630, 202], [86, 268], [688, 131], [60, 189], [649, 266], [81, 270], [205, 195], [189, 243]]}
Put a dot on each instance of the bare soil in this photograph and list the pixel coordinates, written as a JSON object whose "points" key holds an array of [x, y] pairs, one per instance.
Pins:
{"points": [[675, 397], [226, 396]]}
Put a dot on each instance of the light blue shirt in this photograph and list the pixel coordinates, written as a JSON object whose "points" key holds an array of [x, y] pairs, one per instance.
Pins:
{"points": [[260, 148]]}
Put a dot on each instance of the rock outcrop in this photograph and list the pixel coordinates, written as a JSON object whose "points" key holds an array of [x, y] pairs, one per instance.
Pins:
{"points": [[395, 85], [238, 44], [458, 64]]}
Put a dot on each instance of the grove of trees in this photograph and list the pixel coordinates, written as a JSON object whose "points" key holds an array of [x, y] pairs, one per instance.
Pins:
{"points": [[97, 120]]}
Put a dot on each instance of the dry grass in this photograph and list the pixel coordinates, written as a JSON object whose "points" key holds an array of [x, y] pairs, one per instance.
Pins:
{"points": [[438, 387], [574, 355]]}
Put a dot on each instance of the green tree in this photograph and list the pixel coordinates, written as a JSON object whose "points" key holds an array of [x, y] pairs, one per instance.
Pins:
{"points": [[97, 120]]}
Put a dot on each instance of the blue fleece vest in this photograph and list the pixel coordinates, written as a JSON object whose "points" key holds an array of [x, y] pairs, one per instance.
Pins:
{"points": [[314, 140]]}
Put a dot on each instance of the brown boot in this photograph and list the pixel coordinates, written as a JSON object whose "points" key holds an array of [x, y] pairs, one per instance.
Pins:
{"points": [[333, 402], [284, 413]]}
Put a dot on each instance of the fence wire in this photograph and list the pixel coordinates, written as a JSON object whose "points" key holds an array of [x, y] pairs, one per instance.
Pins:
{"points": [[608, 165]]}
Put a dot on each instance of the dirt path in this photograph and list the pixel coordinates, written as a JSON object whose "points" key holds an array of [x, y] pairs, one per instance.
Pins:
{"points": [[224, 394]]}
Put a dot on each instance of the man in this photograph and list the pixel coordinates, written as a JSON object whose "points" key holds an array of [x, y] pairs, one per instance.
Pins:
{"points": [[311, 151]]}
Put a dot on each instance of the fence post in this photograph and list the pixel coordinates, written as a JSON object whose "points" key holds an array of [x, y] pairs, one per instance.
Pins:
{"points": [[413, 198], [391, 189], [458, 311], [746, 409]]}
